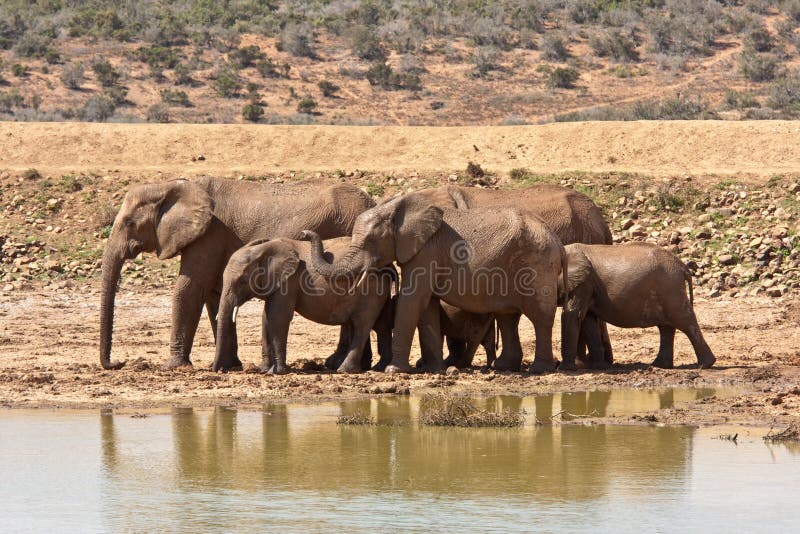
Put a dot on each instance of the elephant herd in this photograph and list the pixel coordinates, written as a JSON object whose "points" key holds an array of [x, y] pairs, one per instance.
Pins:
{"points": [[460, 261]]}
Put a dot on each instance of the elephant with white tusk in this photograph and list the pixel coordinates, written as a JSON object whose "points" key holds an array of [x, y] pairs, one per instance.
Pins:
{"points": [[205, 221], [276, 271]]}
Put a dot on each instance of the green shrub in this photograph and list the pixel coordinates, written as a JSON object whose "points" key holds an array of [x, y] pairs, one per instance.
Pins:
{"points": [[784, 93], [72, 75], [616, 45], [563, 77], [10, 100], [105, 72], [175, 98], [158, 113], [758, 67], [34, 45], [226, 83], [267, 68], [20, 71], [246, 56], [117, 93], [328, 88], [366, 45], [447, 409], [739, 100], [253, 112], [306, 105], [98, 108], [183, 74], [485, 59], [554, 47], [759, 39], [382, 75], [297, 39], [157, 56]]}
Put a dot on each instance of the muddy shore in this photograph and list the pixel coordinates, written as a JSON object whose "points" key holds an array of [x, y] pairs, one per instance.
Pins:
{"points": [[50, 359]]}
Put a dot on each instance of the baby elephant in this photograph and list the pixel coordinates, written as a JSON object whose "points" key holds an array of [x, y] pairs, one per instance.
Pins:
{"points": [[276, 272], [631, 286], [465, 331]]}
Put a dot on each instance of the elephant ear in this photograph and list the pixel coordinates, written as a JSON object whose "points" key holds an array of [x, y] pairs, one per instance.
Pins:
{"points": [[184, 214], [415, 224], [457, 195], [579, 269], [278, 261]]}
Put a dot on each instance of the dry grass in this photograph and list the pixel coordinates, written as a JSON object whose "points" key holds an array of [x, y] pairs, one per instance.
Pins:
{"points": [[447, 409], [790, 433], [355, 419]]}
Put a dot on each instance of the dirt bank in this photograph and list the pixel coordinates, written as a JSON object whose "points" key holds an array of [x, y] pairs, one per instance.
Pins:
{"points": [[659, 148], [49, 346]]}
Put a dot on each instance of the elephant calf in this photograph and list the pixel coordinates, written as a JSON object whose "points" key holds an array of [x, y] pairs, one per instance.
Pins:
{"points": [[631, 286], [464, 332], [276, 271]]}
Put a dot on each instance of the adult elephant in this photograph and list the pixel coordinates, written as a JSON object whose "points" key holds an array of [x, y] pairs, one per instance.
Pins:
{"points": [[484, 260], [205, 221], [571, 215]]}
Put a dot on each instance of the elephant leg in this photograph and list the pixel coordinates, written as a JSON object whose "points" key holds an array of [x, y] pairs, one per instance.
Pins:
{"points": [[267, 357], [490, 344], [570, 337], [335, 360], [541, 311], [664, 359], [187, 306], [279, 317], [456, 349], [592, 332], [430, 335], [705, 358], [352, 362], [410, 305], [510, 358], [607, 350], [383, 329]]}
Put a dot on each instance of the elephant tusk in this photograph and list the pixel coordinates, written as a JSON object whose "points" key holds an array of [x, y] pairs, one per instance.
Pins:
{"points": [[235, 313], [361, 280]]}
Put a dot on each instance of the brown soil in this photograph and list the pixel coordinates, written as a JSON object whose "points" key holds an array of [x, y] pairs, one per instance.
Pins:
{"points": [[656, 148], [50, 360]]}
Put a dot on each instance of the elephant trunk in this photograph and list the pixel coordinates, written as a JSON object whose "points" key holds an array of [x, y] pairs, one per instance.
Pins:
{"points": [[352, 264], [113, 258], [226, 357]]}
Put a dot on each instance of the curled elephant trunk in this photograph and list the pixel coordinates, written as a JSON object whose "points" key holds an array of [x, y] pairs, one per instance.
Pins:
{"points": [[113, 258], [226, 357], [352, 265]]}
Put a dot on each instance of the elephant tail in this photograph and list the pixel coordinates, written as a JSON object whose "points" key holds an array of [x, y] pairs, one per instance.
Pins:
{"points": [[687, 275]]}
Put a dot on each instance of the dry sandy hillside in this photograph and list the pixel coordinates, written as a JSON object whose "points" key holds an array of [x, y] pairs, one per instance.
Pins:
{"points": [[760, 148]]}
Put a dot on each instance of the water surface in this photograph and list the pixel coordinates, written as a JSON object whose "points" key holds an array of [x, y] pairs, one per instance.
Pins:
{"points": [[290, 468]]}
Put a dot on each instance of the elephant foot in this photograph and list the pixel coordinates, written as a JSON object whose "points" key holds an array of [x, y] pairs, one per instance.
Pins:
{"points": [[706, 363], [398, 368], [419, 363], [233, 364], [602, 365], [433, 368], [115, 365], [380, 366], [277, 370], [177, 362], [567, 366], [452, 361], [333, 361], [541, 366], [349, 368], [508, 363], [663, 363]]}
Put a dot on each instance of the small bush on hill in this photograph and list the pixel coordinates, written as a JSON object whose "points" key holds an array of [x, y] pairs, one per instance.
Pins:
{"points": [[564, 78], [72, 75], [297, 39], [97, 108], [105, 72], [555, 47], [758, 67], [328, 88]]}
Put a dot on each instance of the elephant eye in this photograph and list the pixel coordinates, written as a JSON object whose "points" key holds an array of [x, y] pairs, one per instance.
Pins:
{"points": [[129, 223]]}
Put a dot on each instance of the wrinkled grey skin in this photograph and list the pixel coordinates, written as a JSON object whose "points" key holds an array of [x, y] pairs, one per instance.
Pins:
{"points": [[422, 239], [571, 215], [205, 221], [276, 271], [636, 285]]}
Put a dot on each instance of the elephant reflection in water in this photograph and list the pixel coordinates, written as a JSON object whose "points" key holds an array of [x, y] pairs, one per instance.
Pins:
{"points": [[295, 450]]}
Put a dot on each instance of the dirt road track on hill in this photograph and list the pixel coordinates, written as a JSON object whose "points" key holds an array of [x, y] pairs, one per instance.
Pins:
{"points": [[758, 148]]}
